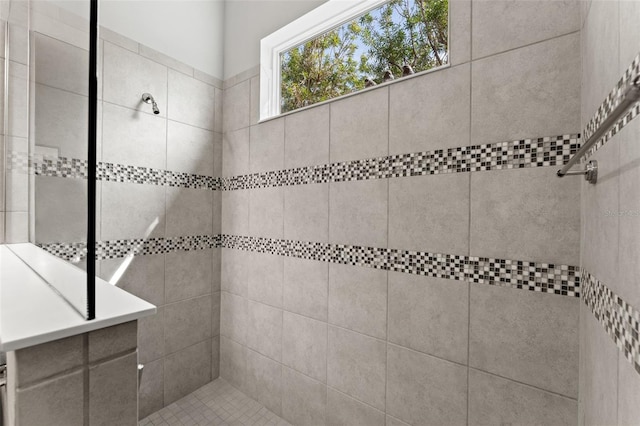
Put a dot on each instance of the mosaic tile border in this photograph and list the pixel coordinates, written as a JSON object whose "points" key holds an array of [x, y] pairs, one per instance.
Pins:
{"points": [[607, 106], [524, 153], [111, 172], [532, 276], [620, 320]]}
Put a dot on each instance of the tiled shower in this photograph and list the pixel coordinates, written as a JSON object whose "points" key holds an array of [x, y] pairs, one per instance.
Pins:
{"points": [[403, 256]]}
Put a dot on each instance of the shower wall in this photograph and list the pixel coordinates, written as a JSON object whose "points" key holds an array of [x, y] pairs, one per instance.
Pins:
{"points": [[155, 190], [407, 254], [609, 355]]}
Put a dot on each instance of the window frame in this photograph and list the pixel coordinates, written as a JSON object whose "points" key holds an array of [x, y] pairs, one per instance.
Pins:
{"points": [[320, 20]]}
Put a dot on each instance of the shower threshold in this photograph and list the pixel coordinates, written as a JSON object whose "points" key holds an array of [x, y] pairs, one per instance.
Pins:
{"points": [[216, 403]]}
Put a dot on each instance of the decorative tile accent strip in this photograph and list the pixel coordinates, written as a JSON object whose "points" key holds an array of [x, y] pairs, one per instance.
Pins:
{"points": [[525, 153], [609, 104], [538, 277], [620, 320], [120, 248]]}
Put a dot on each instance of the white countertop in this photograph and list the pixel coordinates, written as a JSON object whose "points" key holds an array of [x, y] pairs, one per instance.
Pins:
{"points": [[32, 312]]}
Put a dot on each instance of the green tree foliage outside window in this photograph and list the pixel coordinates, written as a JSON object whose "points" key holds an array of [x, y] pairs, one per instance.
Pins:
{"points": [[396, 39]]}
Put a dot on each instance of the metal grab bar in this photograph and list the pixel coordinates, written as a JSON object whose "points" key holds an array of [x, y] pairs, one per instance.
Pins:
{"points": [[630, 95]]}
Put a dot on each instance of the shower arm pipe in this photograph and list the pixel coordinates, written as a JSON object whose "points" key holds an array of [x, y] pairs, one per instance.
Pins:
{"points": [[630, 95]]}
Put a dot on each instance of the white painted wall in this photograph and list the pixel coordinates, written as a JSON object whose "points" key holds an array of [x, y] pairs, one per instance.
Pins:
{"points": [[248, 21], [191, 31]]}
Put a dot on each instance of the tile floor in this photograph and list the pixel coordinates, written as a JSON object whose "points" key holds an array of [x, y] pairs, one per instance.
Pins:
{"points": [[216, 403]]}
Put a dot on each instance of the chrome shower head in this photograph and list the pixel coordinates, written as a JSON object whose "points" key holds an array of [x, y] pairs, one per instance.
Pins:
{"points": [[147, 98]]}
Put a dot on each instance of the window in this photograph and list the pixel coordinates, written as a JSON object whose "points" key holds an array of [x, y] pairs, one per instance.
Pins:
{"points": [[342, 47]]}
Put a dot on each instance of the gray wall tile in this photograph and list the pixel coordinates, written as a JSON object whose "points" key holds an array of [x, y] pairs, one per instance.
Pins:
{"points": [[358, 213], [358, 299], [144, 277], [306, 137], [629, 226], [264, 381], [235, 152], [266, 278], [151, 337], [233, 362], [233, 317], [235, 271], [189, 212], [535, 225], [235, 106], [267, 146], [133, 138], [129, 209], [600, 242], [425, 390], [600, 38], [266, 207], [505, 25], [190, 149], [55, 121], [306, 212], [235, 212], [186, 371], [264, 330], [629, 33], [151, 393], [190, 101], [359, 126], [304, 345], [525, 336], [127, 76], [516, 96], [61, 65], [188, 274], [430, 213], [305, 288], [598, 373], [429, 315], [345, 411], [460, 31], [356, 365], [60, 209], [304, 401], [430, 111], [628, 391], [494, 400], [186, 323]]}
